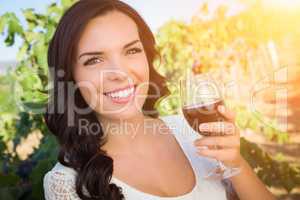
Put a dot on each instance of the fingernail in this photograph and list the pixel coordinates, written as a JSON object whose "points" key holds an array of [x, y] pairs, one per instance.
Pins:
{"points": [[222, 109], [202, 127], [200, 151], [202, 148]]}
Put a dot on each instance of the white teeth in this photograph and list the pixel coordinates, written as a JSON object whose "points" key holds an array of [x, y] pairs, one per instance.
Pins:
{"points": [[121, 94]]}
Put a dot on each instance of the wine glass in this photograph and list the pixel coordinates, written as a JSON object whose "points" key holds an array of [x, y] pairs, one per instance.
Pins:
{"points": [[200, 97]]}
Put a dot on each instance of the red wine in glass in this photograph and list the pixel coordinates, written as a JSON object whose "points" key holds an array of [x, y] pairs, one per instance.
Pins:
{"points": [[201, 97], [203, 113]]}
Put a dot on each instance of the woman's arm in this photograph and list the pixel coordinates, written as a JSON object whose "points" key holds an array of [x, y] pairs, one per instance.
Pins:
{"points": [[226, 148], [248, 186]]}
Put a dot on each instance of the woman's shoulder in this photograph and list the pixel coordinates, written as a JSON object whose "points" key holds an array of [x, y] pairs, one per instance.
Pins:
{"points": [[62, 170], [174, 122], [172, 118], [180, 127], [59, 183]]}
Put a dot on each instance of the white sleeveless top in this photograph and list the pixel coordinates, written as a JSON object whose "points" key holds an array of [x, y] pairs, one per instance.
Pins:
{"points": [[59, 183]]}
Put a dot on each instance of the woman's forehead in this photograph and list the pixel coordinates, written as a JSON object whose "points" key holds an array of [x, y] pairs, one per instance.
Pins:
{"points": [[109, 31]]}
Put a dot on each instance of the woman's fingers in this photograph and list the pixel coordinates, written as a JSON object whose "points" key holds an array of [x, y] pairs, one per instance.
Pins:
{"points": [[223, 142], [218, 141], [228, 156], [228, 114], [218, 128]]}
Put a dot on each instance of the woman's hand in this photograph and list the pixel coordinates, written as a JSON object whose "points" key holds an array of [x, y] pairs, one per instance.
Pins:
{"points": [[226, 146]]}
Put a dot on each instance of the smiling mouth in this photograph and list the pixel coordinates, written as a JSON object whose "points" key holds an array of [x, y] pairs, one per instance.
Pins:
{"points": [[122, 95]]}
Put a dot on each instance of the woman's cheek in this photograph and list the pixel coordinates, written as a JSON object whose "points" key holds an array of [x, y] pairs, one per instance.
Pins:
{"points": [[89, 84], [140, 70], [143, 76]]}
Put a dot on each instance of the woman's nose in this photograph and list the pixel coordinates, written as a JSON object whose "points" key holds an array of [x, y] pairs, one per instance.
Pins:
{"points": [[116, 74], [117, 71]]}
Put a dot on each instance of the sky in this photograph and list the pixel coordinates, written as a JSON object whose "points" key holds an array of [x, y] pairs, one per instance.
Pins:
{"points": [[155, 12]]}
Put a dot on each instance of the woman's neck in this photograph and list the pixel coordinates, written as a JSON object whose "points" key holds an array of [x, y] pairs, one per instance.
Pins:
{"points": [[127, 136]]}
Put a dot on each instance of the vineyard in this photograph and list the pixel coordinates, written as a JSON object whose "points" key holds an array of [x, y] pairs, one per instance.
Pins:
{"points": [[253, 53]]}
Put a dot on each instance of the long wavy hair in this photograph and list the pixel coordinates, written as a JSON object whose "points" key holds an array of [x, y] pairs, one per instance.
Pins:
{"points": [[82, 152]]}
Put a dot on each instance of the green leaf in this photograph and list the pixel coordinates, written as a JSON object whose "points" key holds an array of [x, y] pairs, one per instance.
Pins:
{"points": [[54, 9], [28, 78], [3, 21], [67, 3], [11, 193], [37, 175], [10, 40], [8, 180], [22, 52], [14, 25], [40, 52], [50, 32], [29, 15], [31, 36]]}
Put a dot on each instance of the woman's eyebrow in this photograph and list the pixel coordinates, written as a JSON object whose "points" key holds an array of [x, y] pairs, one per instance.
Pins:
{"points": [[130, 44], [101, 52]]}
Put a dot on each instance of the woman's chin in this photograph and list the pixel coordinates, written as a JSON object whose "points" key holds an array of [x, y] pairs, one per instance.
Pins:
{"points": [[124, 113]]}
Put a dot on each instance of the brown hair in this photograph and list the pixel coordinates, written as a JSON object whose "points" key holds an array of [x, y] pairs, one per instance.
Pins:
{"points": [[83, 152]]}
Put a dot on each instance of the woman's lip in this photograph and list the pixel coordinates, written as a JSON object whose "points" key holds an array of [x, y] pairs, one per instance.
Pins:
{"points": [[120, 89], [123, 100]]}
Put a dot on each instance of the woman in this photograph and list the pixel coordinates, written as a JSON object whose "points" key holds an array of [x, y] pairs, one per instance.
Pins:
{"points": [[112, 145]]}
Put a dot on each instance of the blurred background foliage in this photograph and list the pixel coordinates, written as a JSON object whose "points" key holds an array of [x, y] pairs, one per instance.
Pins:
{"points": [[241, 50]]}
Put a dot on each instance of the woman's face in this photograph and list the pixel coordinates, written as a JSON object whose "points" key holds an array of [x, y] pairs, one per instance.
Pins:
{"points": [[111, 69]]}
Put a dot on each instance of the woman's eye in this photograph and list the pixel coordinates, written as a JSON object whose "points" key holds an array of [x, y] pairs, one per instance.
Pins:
{"points": [[92, 61], [134, 51]]}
